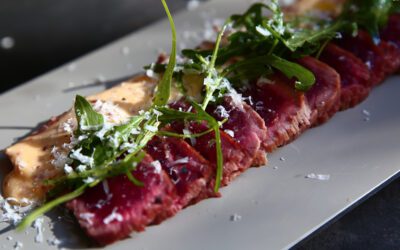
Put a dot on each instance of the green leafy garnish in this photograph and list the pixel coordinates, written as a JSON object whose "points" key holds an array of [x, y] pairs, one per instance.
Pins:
{"points": [[305, 77], [164, 87], [88, 119], [368, 14]]}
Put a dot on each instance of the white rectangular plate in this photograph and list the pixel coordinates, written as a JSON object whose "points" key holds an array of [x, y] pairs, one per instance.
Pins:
{"points": [[277, 204]]}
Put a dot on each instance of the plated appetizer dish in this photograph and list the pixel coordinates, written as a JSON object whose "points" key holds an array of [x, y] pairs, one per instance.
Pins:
{"points": [[140, 152]]}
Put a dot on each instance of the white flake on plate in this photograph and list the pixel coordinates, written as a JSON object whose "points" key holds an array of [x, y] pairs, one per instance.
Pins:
{"points": [[100, 79], [231, 133], [282, 158], [7, 42], [9, 238], [192, 5], [235, 217], [38, 225], [18, 245], [112, 217], [54, 242], [366, 112], [71, 67], [125, 50], [320, 177], [157, 166]]}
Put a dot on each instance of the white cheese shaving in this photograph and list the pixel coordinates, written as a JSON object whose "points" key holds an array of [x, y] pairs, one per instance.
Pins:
{"points": [[89, 180], [113, 216], [183, 160], [77, 155], [130, 147], [87, 217], [106, 127], [60, 158], [188, 133], [151, 128], [231, 133], [68, 169], [68, 126], [106, 188], [369, 65], [111, 112], [320, 177], [263, 31], [157, 166], [13, 214], [81, 168], [221, 111]]}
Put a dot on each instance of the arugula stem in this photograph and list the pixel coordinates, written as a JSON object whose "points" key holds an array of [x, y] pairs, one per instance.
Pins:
{"points": [[27, 221], [220, 163]]}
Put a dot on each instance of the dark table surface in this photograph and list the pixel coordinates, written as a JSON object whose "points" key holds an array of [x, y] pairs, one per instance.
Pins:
{"points": [[49, 33]]}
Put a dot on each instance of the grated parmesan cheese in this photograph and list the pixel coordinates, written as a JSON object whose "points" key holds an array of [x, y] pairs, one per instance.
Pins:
{"points": [[113, 216], [87, 217], [221, 111], [38, 225], [77, 155], [181, 161], [320, 177], [157, 166], [231, 133]]}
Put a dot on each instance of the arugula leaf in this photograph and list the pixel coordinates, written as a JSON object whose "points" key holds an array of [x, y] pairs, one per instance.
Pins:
{"points": [[305, 77], [395, 7], [164, 87], [369, 14], [88, 118], [309, 37]]}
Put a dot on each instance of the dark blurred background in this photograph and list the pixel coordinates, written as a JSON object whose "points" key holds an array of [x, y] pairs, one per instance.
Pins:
{"points": [[39, 35]]}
